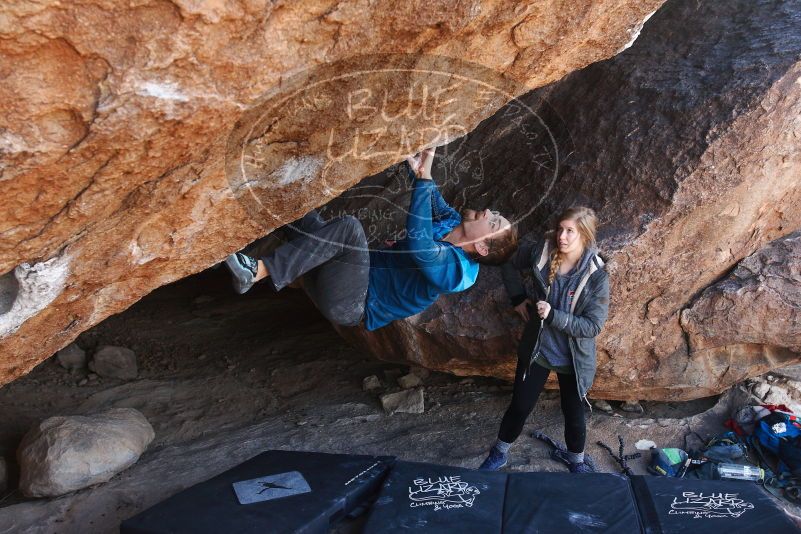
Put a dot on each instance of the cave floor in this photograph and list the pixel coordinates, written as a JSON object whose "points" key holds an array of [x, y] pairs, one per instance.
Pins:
{"points": [[223, 377]]}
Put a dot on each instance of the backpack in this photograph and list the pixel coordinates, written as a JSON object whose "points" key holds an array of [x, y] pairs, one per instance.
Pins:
{"points": [[668, 462], [790, 455], [778, 433], [725, 448]]}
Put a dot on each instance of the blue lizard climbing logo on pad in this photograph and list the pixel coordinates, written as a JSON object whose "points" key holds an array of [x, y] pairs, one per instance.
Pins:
{"points": [[270, 487], [708, 505], [442, 493]]}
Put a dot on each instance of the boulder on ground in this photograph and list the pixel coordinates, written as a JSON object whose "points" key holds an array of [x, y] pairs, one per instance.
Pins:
{"points": [[604, 406], [632, 406], [409, 381], [406, 401], [72, 357], [115, 362], [64, 454], [371, 383]]}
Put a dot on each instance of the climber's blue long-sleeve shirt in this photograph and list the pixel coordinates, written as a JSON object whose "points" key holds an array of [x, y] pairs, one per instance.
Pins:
{"points": [[408, 277]]}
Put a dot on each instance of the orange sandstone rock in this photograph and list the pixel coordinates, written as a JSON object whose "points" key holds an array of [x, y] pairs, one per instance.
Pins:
{"points": [[117, 115]]}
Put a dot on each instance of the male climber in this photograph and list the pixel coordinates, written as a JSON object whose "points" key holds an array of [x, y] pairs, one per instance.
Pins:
{"points": [[349, 283]]}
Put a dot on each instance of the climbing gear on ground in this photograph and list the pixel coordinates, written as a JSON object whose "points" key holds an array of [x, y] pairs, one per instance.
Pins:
{"points": [[621, 458]]}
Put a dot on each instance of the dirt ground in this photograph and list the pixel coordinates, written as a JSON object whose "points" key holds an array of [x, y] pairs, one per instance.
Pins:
{"points": [[223, 377]]}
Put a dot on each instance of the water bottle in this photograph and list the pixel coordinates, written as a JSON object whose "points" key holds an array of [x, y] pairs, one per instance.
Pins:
{"points": [[741, 472]]}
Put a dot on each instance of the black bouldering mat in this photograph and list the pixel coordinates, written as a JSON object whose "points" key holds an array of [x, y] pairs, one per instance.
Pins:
{"points": [[438, 498], [669, 505], [566, 502], [284, 491]]}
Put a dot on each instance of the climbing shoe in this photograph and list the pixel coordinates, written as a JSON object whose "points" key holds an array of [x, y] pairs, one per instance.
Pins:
{"points": [[243, 270], [561, 455], [582, 467], [494, 461]]}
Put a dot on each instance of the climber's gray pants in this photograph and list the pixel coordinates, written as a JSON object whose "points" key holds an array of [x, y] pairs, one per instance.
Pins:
{"points": [[333, 258]]}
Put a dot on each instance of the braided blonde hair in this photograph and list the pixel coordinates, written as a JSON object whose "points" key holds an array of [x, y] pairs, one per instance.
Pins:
{"points": [[586, 223]]}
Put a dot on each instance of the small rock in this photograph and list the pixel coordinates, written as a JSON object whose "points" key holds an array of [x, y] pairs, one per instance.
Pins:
{"points": [[92, 377], [604, 406], [644, 445], [3, 475], [83, 382], [201, 357], [794, 386], [466, 382], [632, 406], [761, 390], [409, 381], [371, 383], [422, 372], [406, 401], [72, 357], [64, 454], [115, 362]]}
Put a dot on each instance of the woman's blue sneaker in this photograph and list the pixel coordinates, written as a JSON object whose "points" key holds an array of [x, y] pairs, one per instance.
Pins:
{"points": [[574, 467], [494, 461], [582, 467], [243, 269]]}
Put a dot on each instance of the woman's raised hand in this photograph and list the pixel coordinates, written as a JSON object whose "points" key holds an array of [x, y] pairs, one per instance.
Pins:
{"points": [[522, 309]]}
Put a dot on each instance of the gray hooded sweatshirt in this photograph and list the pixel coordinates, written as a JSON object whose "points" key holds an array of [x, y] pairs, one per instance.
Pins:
{"points": [[554, 343], [586, 313]]}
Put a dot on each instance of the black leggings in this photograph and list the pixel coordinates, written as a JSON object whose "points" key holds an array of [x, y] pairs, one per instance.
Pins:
{"points": [[524, 398]]}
